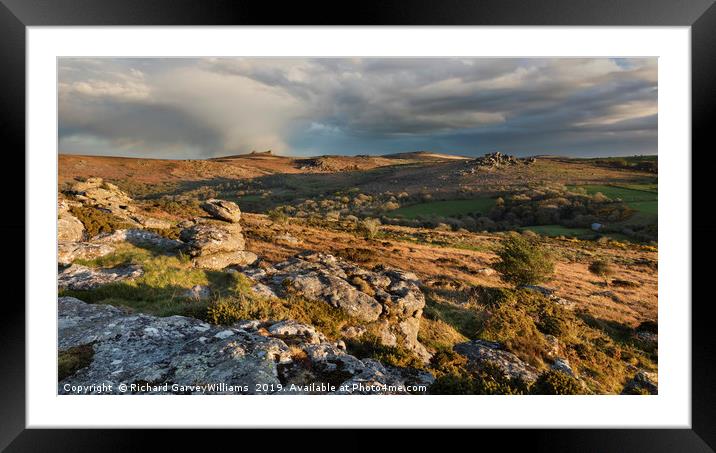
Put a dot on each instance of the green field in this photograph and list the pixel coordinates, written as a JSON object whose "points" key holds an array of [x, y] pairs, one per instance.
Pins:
{"points": [[647, 187], [559, 230], [446, 208], [249, 198], [643, 198]]}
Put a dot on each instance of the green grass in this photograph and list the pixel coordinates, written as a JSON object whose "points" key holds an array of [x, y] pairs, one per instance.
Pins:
{"points": [[559, 230], [446, 208], [643, 198], [627, 195], [160, 290], [646, 187], [645, 207], [249, 198]]}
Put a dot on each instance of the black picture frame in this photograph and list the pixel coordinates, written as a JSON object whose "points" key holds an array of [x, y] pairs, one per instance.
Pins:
{"points": [[700, 15]]}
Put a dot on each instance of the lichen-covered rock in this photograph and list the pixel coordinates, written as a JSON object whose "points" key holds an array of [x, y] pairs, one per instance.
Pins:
{"points": [[149, 352], [388, 299], [151, 222], [68, 252], [262, 290], [480, 352], [198, 292], [141, 238], [643, 382], [98, 193], [179, 355], [216, 244], [492, 161], [292, 332], [365, 376], [222, 210], [210, 237], [78, 277], [69, 227], [217, 261], [337, 292], [351, 332], [562, 364]]}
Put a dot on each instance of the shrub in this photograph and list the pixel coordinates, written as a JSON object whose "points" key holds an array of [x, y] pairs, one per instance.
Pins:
{"points": [[97, 221], [357, 255], [370, 346], [558, 326], [554, 382], [493, 297], [446, 362], [277, 216], [523, 261], [602, 268], [488, 380], [73, 359], [169, 233], [511, 326], [369, 227], [228, 310]]}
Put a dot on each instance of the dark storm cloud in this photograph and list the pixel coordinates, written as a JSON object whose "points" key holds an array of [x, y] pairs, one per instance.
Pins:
{"points": [[215, 106]]}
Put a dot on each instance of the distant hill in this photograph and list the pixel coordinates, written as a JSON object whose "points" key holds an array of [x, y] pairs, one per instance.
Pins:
{"points": [[252, 155], [424, 155]]}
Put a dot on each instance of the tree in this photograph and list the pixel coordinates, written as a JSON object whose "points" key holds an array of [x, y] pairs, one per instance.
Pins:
{"points": [[523, 261], [602, 268]]}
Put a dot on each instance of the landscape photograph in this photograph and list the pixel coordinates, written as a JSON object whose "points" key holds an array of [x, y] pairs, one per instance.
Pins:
{"points": [[357, 226]]}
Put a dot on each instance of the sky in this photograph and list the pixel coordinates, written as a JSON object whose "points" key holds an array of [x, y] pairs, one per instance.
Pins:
{"points": [[196, 108]]}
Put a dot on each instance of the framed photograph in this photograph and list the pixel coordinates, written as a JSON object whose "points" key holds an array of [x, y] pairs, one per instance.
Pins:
{"points": [[466, 215]]}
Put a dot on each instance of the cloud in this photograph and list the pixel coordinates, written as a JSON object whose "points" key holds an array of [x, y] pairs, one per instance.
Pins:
{"points": [[214, 106]]}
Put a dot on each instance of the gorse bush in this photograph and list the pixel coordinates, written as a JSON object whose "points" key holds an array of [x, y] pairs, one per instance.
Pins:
{"points": [[243, 306], [97, 221], [369, 346], [602, 268], [554, 382], [369, 227], [455, 377], [523, 262], [511, 326], [357, 255], [277, 216]]}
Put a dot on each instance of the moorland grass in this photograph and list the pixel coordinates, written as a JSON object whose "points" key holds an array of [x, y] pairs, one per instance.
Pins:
{"points": [[445, 208], [73, 359]]}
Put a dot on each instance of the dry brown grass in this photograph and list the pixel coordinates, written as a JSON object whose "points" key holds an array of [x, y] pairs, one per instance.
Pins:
{"points": [[572, 280]]}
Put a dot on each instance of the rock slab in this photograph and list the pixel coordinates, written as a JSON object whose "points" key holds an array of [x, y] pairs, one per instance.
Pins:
{"points": [[77, 277], [176, 354], [388, 298], [480, 352]]}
